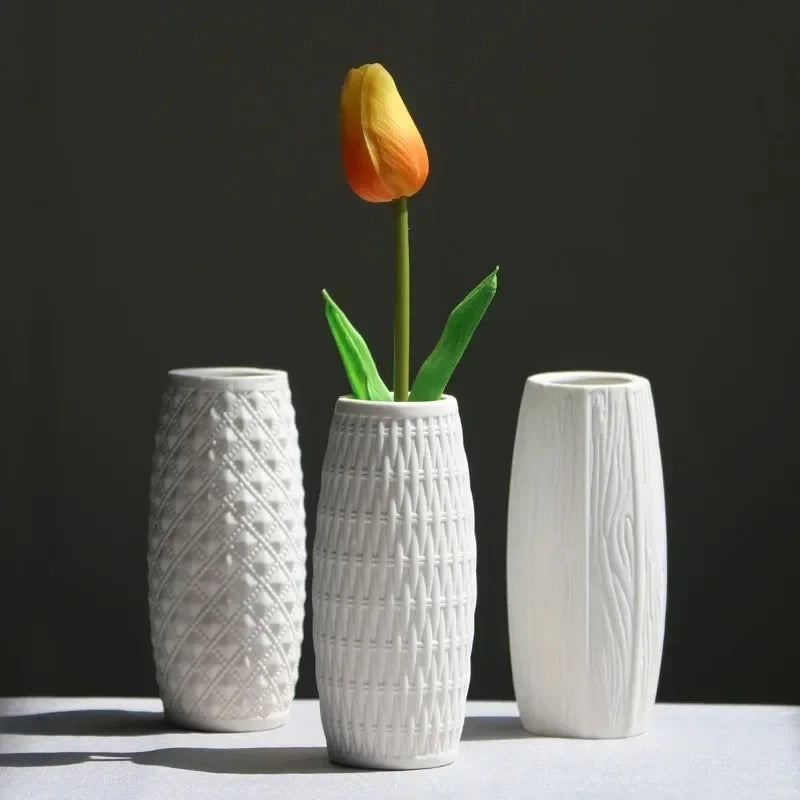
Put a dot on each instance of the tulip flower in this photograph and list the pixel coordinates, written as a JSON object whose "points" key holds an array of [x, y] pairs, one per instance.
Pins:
{"points": [[383, 153], [385, 160]]}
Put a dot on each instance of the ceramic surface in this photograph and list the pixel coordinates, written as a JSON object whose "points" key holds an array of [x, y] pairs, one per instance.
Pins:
{"points": [[586, 555], [226, 550], [394, 584]]}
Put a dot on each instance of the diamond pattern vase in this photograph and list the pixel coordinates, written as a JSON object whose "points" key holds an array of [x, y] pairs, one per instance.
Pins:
{"points": [[586, 555], [226, 552], [394, 584]]}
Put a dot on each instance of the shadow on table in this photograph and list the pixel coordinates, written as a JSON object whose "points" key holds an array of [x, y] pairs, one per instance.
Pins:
{"points": [[233, 761], [86, 722], [241, 761], [482, 729]]}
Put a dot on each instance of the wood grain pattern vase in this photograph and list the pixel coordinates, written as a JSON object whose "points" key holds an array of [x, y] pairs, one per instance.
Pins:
{"points": [[394, 584], [586, 555]]}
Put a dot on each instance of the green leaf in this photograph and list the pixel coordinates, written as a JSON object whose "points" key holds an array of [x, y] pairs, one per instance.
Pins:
{"points": [[358, 362], [434, 374]]}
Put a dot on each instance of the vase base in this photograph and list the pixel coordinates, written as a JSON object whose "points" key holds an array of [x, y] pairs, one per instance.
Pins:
{"points": [[388, 763], [200, 722], [540, 727]]}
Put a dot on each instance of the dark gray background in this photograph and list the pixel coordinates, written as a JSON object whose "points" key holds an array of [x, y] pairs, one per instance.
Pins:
{"points": [[176, 198]]}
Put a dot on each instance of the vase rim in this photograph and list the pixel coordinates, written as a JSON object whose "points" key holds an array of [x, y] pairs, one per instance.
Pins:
{"points": [[230, 378], [587, 380], [446, 404]]}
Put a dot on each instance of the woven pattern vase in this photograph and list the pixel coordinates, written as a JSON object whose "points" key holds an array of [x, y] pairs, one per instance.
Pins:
{"points": [[394, 584], [227, 549]]}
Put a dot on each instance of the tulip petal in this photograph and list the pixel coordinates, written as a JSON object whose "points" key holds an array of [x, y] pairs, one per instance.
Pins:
{"points": [[383, 154], [358, 164], [393, 141]]}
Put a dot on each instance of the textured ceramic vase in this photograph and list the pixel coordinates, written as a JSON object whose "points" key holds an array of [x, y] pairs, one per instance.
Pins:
{"points": [[226, 550], [586, 555], [394, 584]]}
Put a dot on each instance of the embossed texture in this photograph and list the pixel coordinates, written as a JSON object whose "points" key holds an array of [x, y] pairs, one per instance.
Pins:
{"points": [[226, 550], [586, 555], [394, 584]]}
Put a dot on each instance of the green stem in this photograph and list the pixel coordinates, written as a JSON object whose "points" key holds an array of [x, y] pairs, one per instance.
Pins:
{"points": [[402, 303]]}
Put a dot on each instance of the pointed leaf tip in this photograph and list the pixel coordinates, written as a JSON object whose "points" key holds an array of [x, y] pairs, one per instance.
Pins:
{"points": [[435, 372], [358, 363]]}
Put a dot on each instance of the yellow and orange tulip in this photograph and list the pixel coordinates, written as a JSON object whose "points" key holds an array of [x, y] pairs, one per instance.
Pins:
{"points": [[383, 153]]}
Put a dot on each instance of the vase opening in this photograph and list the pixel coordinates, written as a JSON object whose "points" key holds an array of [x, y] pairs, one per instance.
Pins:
{"points": [[586, 379], [224, 372], [593, 382], [446, 404], [236, 378]]}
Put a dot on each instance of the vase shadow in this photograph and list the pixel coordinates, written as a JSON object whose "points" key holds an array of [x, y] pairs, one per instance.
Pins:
{"points": [[86, 722], [481, 729], [241, 761], [222, 760], [42, 759]]}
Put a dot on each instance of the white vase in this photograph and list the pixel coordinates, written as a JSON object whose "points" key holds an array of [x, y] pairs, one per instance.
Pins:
{"points": [[586, 555], [394, 584], [226, 552]]}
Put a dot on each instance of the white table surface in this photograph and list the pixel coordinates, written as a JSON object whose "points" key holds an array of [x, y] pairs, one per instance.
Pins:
{"points": [[106, 748]]}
